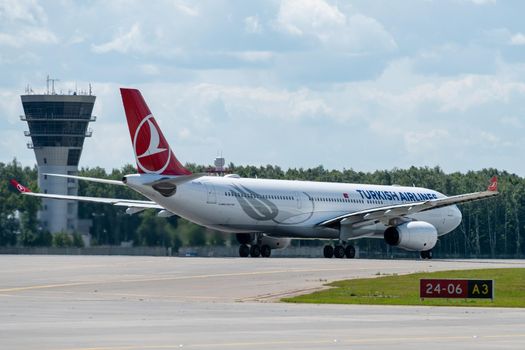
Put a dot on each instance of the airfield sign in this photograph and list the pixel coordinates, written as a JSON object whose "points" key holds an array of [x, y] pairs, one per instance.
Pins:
{"points": [[456, 288]]}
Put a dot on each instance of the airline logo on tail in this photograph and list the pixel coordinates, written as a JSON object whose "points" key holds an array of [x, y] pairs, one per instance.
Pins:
{"points": [[152, 152], [144, 151], [493, 187], [19, 187]]}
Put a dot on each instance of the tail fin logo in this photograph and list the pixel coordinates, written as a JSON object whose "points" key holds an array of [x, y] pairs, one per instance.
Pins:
{"points": [[493, 187], [149, 155]]}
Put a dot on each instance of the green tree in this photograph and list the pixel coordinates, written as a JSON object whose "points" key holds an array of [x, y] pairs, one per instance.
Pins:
{"points": [[62, 240]]}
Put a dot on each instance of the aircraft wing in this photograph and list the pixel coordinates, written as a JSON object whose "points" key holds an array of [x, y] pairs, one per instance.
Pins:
{"points": [[130, 203], [92, 179], [387, 213]]}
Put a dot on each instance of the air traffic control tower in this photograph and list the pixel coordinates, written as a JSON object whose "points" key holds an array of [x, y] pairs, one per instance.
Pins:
{"points": [[58, 124]]}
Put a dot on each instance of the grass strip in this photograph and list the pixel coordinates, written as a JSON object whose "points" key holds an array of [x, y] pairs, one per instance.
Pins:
{"points": [[404, 290]]}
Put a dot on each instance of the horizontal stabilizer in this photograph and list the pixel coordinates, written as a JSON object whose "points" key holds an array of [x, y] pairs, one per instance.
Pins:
{"points": [[130, 203], [92, 179]]}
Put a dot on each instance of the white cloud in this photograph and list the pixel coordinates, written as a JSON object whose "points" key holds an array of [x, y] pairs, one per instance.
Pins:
{"points": [[186, 9], [304, 17], [25, 11], [10, 106], [184, 133], [217, 74], [482, 2], [252, 25], [254, 56], [149, 69], [28, 36], [23, 23], [423, 141], [126, 41], [325, 22], [518, 39]]}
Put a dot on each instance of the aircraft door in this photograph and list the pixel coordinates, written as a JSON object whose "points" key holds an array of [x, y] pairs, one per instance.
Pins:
{"points": [[211, 196]]}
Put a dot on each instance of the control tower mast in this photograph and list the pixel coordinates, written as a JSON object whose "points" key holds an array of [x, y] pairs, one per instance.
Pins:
{"points": [[58, 124]]}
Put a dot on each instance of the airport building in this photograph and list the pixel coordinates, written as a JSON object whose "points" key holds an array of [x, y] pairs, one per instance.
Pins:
{"points": [[58, 125]]}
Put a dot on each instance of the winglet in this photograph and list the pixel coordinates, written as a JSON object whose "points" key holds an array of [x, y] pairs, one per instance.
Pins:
{"points": [[493, 187], [19, 187]]}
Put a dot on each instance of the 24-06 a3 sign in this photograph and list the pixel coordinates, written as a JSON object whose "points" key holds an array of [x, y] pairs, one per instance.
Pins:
{"points": [[456, 288]]}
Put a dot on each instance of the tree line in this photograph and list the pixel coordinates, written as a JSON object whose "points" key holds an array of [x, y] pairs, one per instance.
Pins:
{"points": [[493, 227]]}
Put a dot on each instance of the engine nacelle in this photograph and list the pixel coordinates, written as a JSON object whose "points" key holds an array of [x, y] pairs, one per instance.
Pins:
{"points": [[276, 243], [272, 242], [133, 210], [415, 235], [164, 214]]}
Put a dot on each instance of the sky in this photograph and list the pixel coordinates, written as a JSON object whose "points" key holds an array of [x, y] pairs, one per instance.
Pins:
{"points": [[345, 84]]}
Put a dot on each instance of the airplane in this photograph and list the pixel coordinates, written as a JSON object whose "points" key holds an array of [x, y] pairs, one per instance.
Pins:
{"points": [[267, 214]]}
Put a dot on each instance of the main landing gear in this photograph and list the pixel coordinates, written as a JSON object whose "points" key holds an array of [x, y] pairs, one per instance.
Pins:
{"points": [[251, 245], [339, 251], [426, 254], [255, 251]]}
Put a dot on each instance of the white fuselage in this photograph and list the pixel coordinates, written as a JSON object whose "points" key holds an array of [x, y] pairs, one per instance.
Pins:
{"points": [[284, 208]]}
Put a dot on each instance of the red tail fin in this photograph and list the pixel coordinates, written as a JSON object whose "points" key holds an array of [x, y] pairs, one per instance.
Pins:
{"points": [[152, 152], [19, 187], [493, 187]]}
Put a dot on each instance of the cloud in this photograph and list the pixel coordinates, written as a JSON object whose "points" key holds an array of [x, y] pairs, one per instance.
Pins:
{"points": [[186, 9], [518, 39], [482, 2], [24, 11], [350, 79], [149, 69], [28, 36], [254, 56], [124, 42], [252, 25], [331, 27], [23, 23], [423, 142], [309, 17]]}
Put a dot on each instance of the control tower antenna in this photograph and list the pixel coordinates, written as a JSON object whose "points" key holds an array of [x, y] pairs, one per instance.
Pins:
{"points": [[52, 85]]}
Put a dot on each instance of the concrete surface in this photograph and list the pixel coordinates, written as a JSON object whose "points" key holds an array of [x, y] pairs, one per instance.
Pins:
{"points": [[120, 303]]}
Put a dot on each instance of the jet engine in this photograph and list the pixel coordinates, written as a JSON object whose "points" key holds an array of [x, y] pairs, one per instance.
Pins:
{"points": [[414, 235], [262, 239], [275, 243]]}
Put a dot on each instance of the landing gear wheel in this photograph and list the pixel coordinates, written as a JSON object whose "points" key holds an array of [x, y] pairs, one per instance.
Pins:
{"points": [[339, 251], [328, 251], [266, 251], [350, 251], [244, 250], [427, 254], [255, 251]]}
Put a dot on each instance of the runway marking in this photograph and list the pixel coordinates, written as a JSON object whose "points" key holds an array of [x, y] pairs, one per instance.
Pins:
{"points": [[271, 296], [347, 341], [175, 278]]}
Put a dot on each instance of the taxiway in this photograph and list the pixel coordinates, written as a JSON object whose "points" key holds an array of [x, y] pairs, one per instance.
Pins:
{"points": [[121, 303]]}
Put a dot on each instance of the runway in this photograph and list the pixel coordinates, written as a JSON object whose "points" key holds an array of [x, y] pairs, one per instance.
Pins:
{"points": [[117, 303]]}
